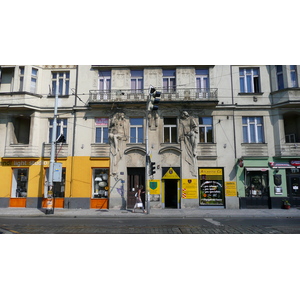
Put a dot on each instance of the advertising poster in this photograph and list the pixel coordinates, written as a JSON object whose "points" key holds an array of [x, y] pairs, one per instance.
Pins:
{"points": [[189, 189], [211, 186], [230, 188]]}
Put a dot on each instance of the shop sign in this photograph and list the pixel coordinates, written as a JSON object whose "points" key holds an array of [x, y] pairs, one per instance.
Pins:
{"points": [[23, 163], [295, 163], [230, 188], [101, 121], [154, 187], [280, 165], [171, 174], [189, 189]]}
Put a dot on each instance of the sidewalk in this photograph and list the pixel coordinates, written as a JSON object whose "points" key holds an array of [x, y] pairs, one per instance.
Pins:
{"points": [[154, 213]]}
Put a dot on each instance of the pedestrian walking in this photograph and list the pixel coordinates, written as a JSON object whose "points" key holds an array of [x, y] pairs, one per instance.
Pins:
{"points": [[138, 199]]}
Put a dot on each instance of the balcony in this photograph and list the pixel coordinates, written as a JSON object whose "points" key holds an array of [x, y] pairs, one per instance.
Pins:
{"points": [[21, 151], [287, 149], [254, 150], [208, 96], [288, 98]]}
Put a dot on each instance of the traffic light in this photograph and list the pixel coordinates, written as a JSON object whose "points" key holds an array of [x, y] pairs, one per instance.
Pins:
{"points": [[155, 95], [152, 168]]}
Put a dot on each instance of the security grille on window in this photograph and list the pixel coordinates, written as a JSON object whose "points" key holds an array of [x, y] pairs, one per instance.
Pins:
{"points": [[60, 129], [253, 130], [101, 130], [62, 79], [249, 80], [170, 130], [136, 130], [205, 129]]}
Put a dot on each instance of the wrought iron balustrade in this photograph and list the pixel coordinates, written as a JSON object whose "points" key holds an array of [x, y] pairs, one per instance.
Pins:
{"points": [[185, 94]]}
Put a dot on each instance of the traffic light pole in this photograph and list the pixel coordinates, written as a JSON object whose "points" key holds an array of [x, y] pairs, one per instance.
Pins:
{"points": [[50, 196], [147, 194]]}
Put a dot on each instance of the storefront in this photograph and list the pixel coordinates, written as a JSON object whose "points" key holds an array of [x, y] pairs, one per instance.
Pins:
{"points": [[211, 187]]}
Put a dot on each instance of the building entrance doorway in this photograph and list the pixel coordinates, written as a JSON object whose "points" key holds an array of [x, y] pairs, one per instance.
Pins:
{"points": [[135, 178], [293, 186], [171, 193]]}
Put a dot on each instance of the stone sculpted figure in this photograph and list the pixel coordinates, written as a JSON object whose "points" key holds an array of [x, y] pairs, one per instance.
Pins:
{"points": [[188, 135]]}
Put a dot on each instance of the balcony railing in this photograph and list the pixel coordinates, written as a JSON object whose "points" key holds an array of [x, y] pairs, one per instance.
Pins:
{"points": [[142, 95]]}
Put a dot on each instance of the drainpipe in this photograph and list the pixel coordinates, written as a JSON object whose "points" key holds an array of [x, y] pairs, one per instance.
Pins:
{"points": [[233, 117]]}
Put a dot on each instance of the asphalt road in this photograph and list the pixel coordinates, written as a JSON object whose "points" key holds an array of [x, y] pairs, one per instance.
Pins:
{"points": [[150, 226]]}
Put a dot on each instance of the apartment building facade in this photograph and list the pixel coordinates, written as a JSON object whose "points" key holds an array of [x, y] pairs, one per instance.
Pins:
{"points": [[224, 136]]}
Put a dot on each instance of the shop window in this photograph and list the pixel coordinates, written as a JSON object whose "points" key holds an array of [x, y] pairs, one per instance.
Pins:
{"points": [[100, 183], [256, 184], [21, 130], [101, 130], [19, 183], [170, 130]]}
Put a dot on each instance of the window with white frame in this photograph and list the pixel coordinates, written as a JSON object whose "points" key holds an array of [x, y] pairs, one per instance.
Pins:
{"points": [[104, 85], [21, 79], [249, 80], [169, 81], [253, 130], [33, 82], [61, 128], [279, 74], [206, 130], [202, 79], [137, 80], [101, 130], [62, 80], [136, 130], [170, 130], [294, 79]]}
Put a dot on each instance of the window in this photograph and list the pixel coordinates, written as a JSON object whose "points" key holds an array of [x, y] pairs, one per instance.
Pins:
{"points": [[6, 79], [34, 75], [58, 187], [249, 80], [169, 81], [19, 183], [104, 84], [170, 130], [62, 80], [21, 77], [279, 74], [60, 129], [256, 184], [101, 130], [294, 79], [100, 186], [206, 130], [137, 80], [136, 130], [253, 130], [21, 130], [202, 82]]}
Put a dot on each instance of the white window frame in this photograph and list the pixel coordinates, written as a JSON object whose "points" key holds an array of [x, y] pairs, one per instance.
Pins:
{"points": [[246, 72], [137, 80], [136, 129], [170, 126], [168, 88], [60, 125], [21, 78], [294, 83], [256, 126], [64, 89], [33, 80], [101, 124], [205, 126]]}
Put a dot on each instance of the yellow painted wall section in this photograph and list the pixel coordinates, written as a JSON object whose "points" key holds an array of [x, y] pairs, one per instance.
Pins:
{"points": [[81, 185]]}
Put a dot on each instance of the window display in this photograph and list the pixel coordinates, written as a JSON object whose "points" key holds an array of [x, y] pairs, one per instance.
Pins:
{"points": [[19, 183], [100, 183]]}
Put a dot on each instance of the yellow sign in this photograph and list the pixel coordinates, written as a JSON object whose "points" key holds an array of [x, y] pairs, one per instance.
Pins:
{"points": [[189, 189], [230, 188], [154, 187], [210, 172], [171, 174]]}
